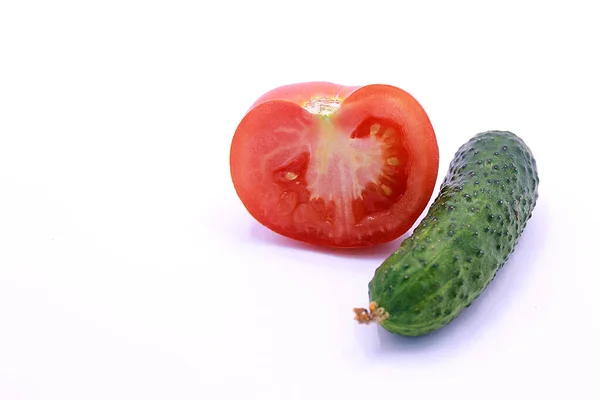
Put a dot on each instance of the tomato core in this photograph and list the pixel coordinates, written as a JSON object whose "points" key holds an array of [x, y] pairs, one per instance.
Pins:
{"points": [[341, 178]]}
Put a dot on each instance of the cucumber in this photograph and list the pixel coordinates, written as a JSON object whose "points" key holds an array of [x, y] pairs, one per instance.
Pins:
{"points": [[468, 234]]}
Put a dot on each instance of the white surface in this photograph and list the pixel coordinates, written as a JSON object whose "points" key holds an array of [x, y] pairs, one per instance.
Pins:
{"points": [[130, 270]]}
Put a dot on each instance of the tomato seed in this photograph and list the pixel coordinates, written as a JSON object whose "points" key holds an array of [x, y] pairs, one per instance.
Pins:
{"points": [[290, 176], [375, 129]]}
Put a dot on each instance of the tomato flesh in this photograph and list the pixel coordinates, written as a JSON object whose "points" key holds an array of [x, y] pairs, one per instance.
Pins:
{"points": [[331, 171]]}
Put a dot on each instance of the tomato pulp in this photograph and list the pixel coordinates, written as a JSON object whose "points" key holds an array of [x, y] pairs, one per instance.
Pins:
{"points": [[333, 165]]}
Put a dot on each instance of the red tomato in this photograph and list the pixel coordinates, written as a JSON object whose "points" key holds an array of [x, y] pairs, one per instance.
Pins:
{"points": [[335, 165]]}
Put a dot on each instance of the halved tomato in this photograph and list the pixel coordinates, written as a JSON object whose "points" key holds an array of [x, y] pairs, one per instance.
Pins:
{"points": [[335, 165]]}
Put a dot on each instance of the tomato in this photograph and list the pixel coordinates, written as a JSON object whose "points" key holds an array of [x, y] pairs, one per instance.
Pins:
{"points": [[333, 165]]}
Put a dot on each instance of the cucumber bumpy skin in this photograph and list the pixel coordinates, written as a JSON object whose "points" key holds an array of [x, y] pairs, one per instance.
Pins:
{"points": [[468, 234]]}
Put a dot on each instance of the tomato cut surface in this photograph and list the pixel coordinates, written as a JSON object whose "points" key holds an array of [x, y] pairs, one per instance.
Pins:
{"points": [[335, 165]]}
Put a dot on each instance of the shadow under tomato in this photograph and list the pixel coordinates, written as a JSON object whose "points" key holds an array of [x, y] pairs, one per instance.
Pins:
{"points": [[381, 251]]}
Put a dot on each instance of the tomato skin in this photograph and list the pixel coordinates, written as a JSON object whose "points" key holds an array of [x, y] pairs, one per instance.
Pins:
{"points": [[279, 123], [299, 93]]}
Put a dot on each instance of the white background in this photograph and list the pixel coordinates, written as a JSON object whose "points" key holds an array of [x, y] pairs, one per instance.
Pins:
{"points": [[130, 270]]}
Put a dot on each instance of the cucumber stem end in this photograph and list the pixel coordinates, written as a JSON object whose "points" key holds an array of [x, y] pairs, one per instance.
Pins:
{"points": [[373, 314]]}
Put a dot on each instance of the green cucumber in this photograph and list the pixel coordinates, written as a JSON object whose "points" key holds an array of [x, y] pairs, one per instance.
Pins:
{"points": [[468, 234]]}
